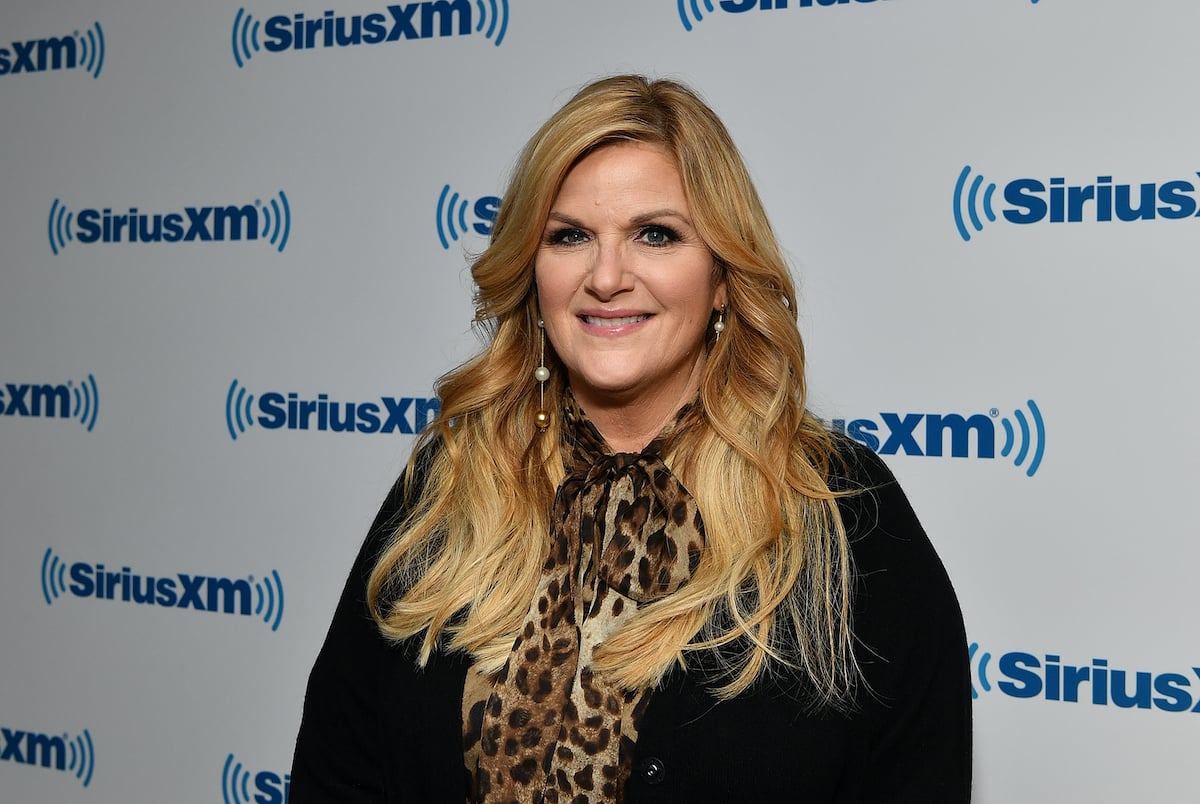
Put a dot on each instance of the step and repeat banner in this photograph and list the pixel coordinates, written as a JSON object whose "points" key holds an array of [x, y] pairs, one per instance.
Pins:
{"points": [[233, 250]]}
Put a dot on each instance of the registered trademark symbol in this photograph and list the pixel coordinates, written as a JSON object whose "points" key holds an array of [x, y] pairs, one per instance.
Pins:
{"points": [[993, 413]]}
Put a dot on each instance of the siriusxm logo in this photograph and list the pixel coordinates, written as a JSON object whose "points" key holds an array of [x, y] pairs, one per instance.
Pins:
{"points": [[441, 18], [1031, 200], [76, 755], [71, 52], [690, 10], [271, 222], [246, 597], [63, 401], [276, 410], [452, 215], [927, 434], [1024, 675], [268, 787]]}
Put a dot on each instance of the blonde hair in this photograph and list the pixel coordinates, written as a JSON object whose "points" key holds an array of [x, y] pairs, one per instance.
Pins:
{"points": [[773, 585]]}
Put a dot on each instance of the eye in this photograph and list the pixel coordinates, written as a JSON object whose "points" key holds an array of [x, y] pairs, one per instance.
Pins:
{"points": [[658, 235], [567, 236]]}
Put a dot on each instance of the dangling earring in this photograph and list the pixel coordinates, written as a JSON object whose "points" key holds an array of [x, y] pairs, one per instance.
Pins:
{"points": [[541, 374], [719, 324]]}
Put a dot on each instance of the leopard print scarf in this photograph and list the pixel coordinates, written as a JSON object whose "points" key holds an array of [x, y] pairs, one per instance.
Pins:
{"points": [[624, 532]]}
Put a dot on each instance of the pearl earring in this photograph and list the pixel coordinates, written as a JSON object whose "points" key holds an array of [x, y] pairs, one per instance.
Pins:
{"points": [[719, 324], [541, 374]]}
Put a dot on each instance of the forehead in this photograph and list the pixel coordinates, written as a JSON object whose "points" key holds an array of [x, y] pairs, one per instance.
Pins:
{"points": [[624, 171]]}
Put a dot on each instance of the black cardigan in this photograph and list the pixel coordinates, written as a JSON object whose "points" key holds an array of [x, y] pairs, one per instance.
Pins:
{"points": [[376, 728]]}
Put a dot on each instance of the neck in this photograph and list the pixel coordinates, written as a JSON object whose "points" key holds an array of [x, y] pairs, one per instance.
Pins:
{"points": [[628, 425]]}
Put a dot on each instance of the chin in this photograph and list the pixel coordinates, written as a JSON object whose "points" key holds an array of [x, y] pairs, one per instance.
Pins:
{"points": [[617, 387]]}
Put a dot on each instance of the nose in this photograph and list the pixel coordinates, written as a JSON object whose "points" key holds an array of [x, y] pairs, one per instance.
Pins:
{"points": [[609, 274]]}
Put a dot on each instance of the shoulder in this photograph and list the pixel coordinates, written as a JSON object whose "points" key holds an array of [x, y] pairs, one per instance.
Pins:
{"points": [[905, 610], [875, 510], [883, 530], [856, 468]]}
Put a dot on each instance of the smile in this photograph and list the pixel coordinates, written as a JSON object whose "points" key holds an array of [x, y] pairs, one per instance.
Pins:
{"points": [[597, 321]]}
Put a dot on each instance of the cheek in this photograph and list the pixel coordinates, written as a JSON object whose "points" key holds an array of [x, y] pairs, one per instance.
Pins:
{"points": [[553, 298], [695, 295], [555, 284]]}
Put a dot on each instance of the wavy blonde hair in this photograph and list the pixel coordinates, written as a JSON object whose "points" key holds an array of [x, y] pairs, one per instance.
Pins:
{"points": [[773, 586]]}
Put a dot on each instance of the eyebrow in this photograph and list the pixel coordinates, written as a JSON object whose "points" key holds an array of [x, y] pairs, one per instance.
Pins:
{"points": [[647, 217], [637, 220]]}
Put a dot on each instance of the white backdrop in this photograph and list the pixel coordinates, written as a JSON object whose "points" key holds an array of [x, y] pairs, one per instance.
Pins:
{"points": [[910, 153]]}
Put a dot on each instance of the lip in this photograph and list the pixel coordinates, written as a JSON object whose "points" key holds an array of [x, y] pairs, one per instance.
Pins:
{"points": [[611, 323]]}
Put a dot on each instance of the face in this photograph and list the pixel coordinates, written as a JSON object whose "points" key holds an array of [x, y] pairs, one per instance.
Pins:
{"points": [[625, 285]]}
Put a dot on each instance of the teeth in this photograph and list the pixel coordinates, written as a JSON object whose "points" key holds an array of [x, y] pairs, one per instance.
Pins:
{"points": [[614, 322]]}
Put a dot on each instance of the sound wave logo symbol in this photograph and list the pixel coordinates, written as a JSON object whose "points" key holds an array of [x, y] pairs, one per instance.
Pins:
{"points": [[1027, 442], [59, 227], [87, 401], [245, 37], [268, 594], [91, 50], [235, 782], [979, 669], [277, 221], [54, 583], [451, 216], [683, 7], [497, 21], [238, 404], [968, 201], [83, 757]]}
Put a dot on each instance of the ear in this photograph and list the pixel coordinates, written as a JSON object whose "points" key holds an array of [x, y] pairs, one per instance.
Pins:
{"points": [[720, 297]]}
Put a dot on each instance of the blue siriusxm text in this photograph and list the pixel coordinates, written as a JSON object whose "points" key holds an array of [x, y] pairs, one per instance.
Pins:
{"points": [[1098, 682], [399, 21], [38, 56], [193, 223], [34, 399], [406, 414], [1056, 201], [179, 590]]}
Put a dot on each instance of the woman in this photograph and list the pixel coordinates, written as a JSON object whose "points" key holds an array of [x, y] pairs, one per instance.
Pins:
{"points": [[626, 564]]}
